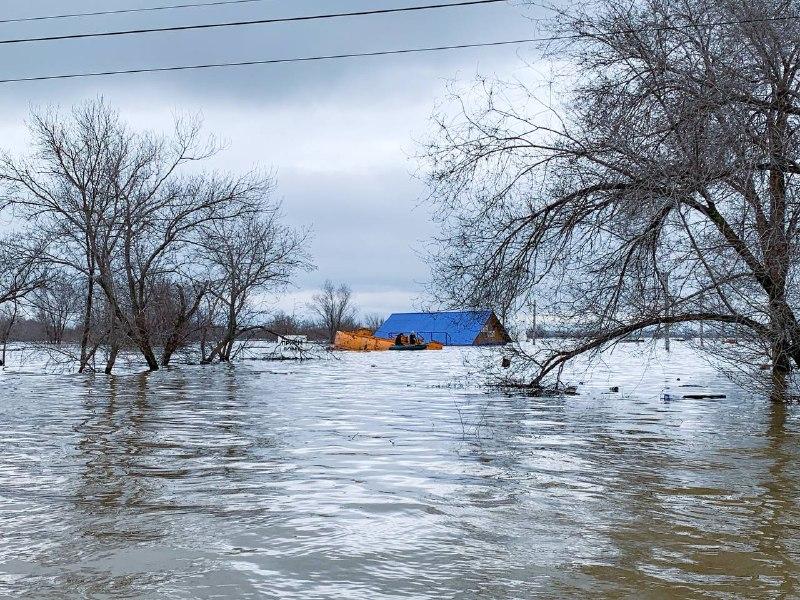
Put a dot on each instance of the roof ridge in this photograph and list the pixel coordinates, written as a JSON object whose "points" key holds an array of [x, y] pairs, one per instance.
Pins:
{"points": [[444, 312]]}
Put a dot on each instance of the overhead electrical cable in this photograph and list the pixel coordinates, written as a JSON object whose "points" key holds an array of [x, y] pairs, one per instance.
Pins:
{"points": [[125, 11], [275, 61], [360, 13], [378, 53]]}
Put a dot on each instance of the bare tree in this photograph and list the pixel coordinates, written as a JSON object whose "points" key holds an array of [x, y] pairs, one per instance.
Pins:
{"points": [[120, 208], [334, 307], [171, 305], [58, 307], [660, 191], [9, 312], [63, 187], [373, 321], [206, 326], [248, 256], [21, 271], [284, 324], [20, 275], [57, 304], [147, 242]]}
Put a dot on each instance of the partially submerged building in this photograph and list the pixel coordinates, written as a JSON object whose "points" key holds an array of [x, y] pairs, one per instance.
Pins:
{"points": [[451, 328]]}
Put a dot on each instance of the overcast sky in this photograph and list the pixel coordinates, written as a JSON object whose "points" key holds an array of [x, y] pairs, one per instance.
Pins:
{"points": [[339, 134]]}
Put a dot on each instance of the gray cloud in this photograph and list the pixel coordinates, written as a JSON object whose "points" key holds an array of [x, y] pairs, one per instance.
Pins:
{"points": [[338, 134]]}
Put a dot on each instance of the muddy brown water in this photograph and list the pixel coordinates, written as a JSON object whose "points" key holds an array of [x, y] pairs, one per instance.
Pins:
{"points": [[382, 476]]}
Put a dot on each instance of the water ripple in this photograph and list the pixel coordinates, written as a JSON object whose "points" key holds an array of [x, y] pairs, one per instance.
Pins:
{"points": [[373, 477]]}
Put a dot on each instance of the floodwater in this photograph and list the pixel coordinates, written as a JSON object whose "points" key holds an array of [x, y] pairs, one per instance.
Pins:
{"points": [[384, 475]]}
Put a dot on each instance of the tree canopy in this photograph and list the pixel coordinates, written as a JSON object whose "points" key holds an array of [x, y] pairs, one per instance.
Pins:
{"points": [[660, 188]]}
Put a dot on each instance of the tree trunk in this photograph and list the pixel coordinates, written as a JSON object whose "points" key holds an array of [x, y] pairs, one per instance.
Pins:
{"points": [[217, 351], [230, 331], [149, 356], [780, 378], [203, 344], [166, 357], [170, 347], [227, 347], [87, 324], [112, 359]]}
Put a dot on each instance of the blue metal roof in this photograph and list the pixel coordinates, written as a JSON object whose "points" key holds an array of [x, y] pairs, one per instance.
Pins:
{"points": [[454, 328]]}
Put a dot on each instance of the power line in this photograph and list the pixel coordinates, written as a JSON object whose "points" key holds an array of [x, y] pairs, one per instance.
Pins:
{"points": [[361, 13], [274, 61], [305, 18], [331, 57], [124, 11]]}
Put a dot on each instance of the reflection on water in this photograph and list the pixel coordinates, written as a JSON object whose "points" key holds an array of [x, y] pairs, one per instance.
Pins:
{"points": [[369, 477]]}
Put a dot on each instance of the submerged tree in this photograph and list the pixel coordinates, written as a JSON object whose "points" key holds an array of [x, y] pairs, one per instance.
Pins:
{"points": [[661, 191], [63, 189], [129, 214], [247, 257], [21, 274]]}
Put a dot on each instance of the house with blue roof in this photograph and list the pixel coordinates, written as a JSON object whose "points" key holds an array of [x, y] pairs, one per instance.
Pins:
{"points": [[451, 328]]}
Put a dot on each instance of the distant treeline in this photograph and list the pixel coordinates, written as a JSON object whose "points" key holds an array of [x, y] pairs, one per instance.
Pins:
{"points": [[684, 332], [40, 331]]}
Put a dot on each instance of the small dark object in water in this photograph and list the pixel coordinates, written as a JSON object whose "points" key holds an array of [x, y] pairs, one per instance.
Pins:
{"points": [[414, 347], [540, 391], [553, 390], [506, 362], [614, 388], [692, 392]]}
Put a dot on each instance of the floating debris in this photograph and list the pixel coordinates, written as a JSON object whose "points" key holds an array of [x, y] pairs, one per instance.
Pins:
{"points": [[691, 391], [540, 391]]}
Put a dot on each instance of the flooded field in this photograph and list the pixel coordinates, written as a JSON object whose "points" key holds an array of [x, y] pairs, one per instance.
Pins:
{"points": [[384, 476]]}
